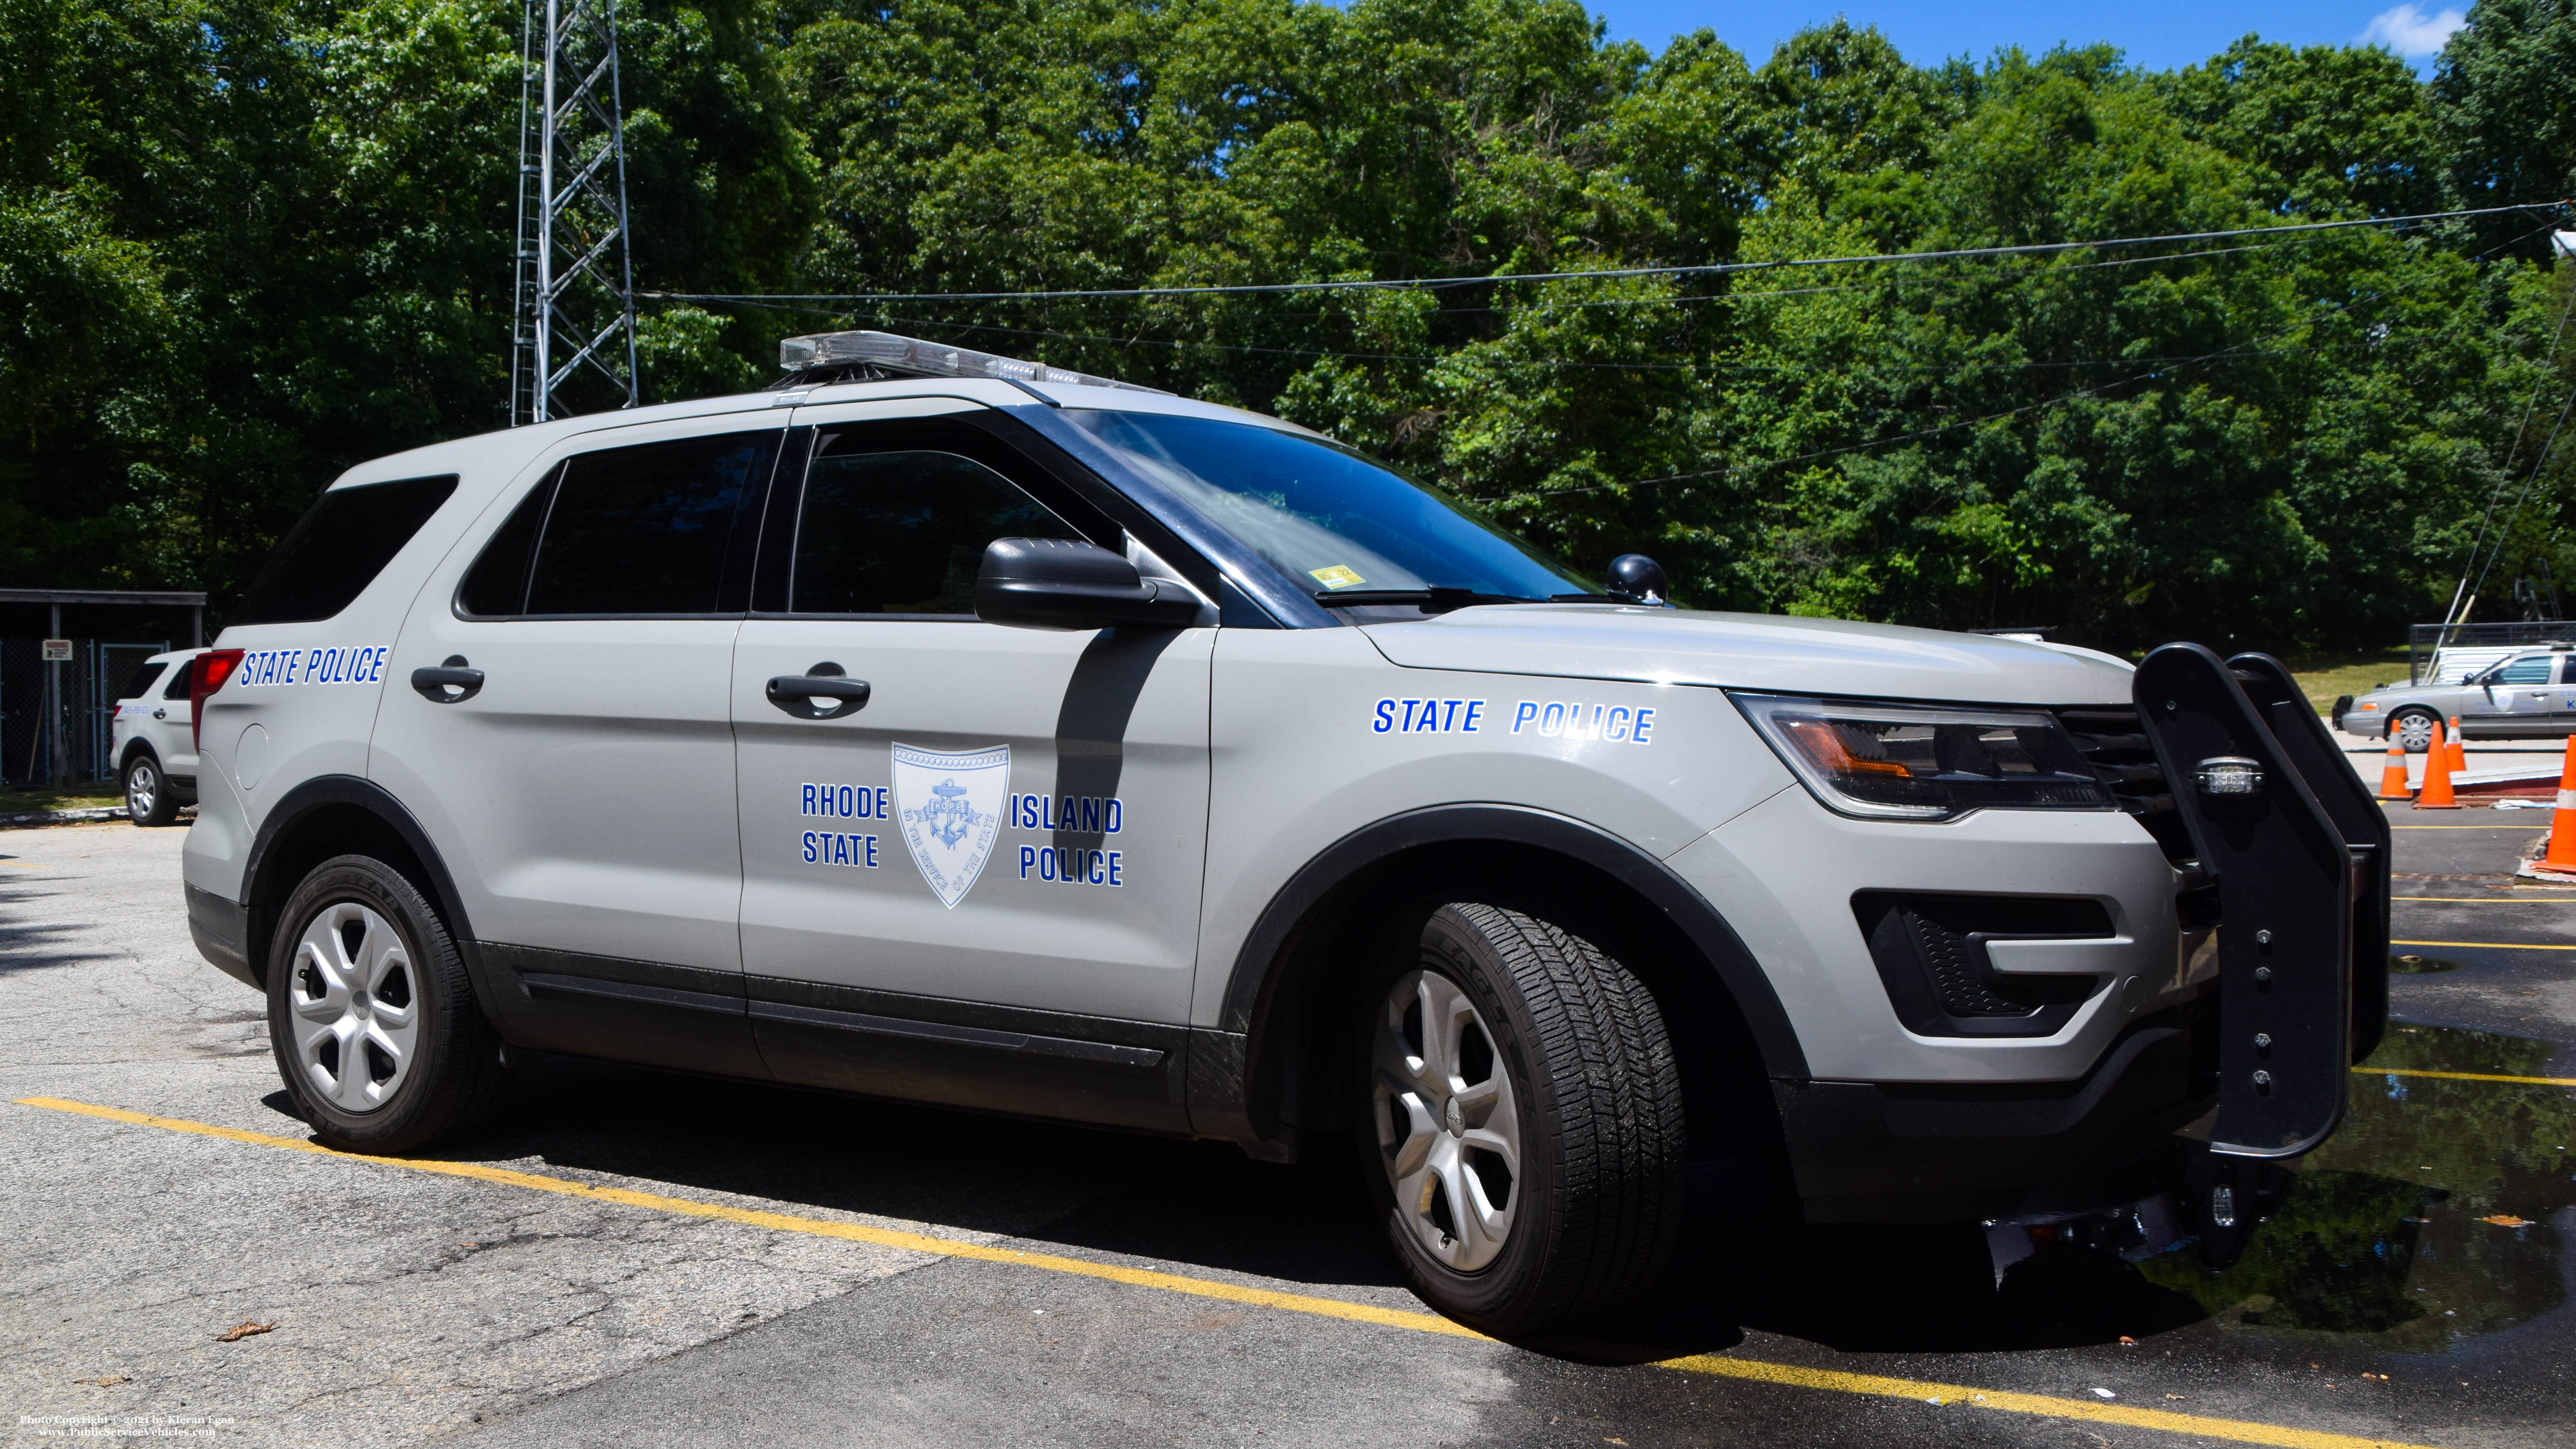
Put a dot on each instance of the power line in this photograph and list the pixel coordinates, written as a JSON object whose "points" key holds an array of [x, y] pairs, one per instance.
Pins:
{"points": [[1508, 364], [2525, 495], [889, 319], [776, 304], [2521, 429], [1705, 269]]}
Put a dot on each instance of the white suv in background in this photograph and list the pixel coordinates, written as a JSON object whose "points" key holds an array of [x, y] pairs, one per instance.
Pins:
{"points": [[152, 738]]}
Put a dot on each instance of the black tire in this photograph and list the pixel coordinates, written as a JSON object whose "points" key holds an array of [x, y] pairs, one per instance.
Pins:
{"points": [[451, 1080], [149, 798], [2423, 741], [1598, 1201]]}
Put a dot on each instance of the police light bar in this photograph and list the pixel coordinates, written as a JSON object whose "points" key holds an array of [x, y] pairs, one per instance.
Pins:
{"points": [[896, 356]]}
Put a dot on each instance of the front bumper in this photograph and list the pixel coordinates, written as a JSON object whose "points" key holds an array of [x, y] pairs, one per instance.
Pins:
{"points": [[1885, 1152], [2269, 891], [1786, 875]]}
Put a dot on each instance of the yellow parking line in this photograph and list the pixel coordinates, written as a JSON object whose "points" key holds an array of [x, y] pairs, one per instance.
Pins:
{"points": [[786, 1223], [2464, 1076], [2043, 1405], [2487, 945], [2494, 900]]}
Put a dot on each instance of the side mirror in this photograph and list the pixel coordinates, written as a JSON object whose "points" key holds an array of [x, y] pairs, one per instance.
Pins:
{"points": [[1641, 579], [1054, 583]]}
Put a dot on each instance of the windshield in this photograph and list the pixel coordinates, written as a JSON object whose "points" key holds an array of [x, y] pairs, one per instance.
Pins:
{"points": [[1323, 515]]}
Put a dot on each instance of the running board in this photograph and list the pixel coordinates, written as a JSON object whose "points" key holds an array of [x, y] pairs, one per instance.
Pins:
{"points": [[2300, 857]]}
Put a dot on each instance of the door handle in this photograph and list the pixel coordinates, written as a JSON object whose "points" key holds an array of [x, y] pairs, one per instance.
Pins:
{"points": [[450, 683], [805, 695], [161, 713]]}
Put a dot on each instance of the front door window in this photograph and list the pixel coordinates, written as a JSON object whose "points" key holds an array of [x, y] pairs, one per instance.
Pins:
{"points": [[1015, 822]]}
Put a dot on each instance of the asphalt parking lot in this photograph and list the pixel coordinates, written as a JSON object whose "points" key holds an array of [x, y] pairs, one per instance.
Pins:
{"points": [[642, 1258]]}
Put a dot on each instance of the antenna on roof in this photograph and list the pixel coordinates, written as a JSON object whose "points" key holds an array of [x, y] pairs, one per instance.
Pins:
{"points": [[576, 287], [871, 356]]}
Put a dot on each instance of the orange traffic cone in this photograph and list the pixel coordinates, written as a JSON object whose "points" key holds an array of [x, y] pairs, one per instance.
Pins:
{"points": [[2459, 752], [2392, 779], [2561, 859], [2437, 776]]}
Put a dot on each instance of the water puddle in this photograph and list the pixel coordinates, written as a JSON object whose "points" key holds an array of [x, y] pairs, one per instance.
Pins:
{"points": [[2428, 1219]]}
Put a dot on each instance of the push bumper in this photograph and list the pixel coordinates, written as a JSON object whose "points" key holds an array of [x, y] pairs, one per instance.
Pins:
{"points": [[2299, 853]]}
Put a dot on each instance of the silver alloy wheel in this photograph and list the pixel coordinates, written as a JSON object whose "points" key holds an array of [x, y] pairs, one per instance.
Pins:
{"points": [[142, 788], [1448, 1129], [2415, 732], [356, 1009]]}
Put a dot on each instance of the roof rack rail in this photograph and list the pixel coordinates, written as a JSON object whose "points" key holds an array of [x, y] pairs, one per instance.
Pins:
{"points": [[872, 356]]}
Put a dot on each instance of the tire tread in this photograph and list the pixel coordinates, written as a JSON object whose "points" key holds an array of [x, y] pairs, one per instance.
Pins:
{"points": [[1606, 1073]]}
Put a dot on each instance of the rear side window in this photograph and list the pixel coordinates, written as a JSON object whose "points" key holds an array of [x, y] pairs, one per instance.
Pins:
{"points": [[497, 586], [178, 686], [652, 530], [144, 679], [904, 532], [343, 541]]}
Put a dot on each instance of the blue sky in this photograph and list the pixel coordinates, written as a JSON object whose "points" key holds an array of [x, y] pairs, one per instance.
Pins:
{"points": [[2157, 36]]}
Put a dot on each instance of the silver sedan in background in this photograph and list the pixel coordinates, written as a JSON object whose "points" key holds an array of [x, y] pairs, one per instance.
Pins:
{"points": [[2527, 695]]}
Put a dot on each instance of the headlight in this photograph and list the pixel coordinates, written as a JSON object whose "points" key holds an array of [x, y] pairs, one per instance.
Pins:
{"points": [[1916, 762]]}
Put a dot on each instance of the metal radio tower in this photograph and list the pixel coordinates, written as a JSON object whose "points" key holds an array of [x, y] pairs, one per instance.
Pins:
{"points": [[576, 288]]}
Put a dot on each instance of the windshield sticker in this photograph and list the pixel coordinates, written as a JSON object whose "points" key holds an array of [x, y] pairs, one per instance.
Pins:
{"points": [[1336, 577], [365, 665], [1428, 717], [1554, 719], [950, 809]]}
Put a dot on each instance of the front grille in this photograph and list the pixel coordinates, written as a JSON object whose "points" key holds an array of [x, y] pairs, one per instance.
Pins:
{"points": [[2111, 741]]}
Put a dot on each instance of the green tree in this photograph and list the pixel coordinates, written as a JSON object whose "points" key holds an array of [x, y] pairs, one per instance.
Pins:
{"points": [[2500, 96], [244, 243]]}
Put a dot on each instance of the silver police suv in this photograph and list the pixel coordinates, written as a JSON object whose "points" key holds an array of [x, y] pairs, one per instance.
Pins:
{"points": [[944, 727]]}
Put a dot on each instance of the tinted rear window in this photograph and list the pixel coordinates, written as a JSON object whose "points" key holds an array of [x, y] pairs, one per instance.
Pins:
{"points": [[143, 678], [343, 541], [647, 530], [497, 585]]}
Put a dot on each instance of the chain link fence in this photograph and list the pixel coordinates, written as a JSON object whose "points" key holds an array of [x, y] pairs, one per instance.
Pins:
{"points": [[55, 717]]}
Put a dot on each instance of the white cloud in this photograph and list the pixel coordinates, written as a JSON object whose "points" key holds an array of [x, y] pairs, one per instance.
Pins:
{"points": [[2406, 30]]}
